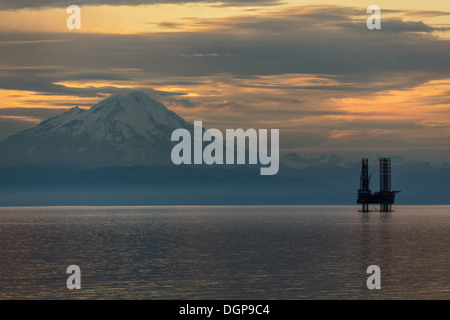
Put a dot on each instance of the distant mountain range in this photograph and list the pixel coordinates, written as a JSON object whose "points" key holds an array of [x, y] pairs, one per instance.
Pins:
{"points": [[294, 160], [321, 184], [118, 153]]}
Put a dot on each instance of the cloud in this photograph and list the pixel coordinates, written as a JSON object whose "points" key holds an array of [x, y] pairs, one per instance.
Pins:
{"points": [[290, 45], [397, 26], [426, 13], [51, 80], [35, 114], [170, 24], [20, 4], [25, 42], [435, 124]]}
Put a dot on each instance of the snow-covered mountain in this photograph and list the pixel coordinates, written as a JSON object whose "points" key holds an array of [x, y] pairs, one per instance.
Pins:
{"points": [[293, 160], [332, 160], [120, 130]]}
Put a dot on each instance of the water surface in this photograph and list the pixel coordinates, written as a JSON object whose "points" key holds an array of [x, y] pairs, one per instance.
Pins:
{"points": [[279, 252]]}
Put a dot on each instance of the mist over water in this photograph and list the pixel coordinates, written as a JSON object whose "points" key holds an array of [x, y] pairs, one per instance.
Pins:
{"points": [[224, 252]]}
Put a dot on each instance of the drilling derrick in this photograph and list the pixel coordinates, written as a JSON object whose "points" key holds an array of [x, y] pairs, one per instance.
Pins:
{"points": [[385, 197], [385, 185], [364, 182]]}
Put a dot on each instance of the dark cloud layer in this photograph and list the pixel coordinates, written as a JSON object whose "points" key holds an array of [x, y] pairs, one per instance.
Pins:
{"points": [[265, 45]]}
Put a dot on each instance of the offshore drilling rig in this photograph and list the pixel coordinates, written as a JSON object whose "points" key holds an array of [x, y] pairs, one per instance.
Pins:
{"points": [[385, 197]]}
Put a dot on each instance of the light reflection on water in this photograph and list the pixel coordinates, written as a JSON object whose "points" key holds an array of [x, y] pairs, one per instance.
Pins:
{"points": [[292, 252]]}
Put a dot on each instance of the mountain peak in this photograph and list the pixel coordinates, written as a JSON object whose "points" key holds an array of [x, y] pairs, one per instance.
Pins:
{"points": [[120, 130], [138, 95], [293, 156], [75, 110], [133, 100], [295, 160]]}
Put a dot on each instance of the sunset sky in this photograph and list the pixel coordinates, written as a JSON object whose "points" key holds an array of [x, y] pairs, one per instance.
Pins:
{"points": [[309, 68]]}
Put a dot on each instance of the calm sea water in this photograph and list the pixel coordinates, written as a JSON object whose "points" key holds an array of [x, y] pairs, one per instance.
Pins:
{"points": [[297, 252]]}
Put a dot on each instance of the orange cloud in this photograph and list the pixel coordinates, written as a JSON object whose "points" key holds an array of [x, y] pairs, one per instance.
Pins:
{"points": [[428, 101], [32, 99]]}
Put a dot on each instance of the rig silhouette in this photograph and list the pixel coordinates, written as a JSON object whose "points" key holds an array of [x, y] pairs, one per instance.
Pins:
{"points": [[385, 197]]}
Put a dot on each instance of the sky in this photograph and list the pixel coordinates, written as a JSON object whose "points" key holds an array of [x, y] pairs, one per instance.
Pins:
{"points": [[311, 69]]}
